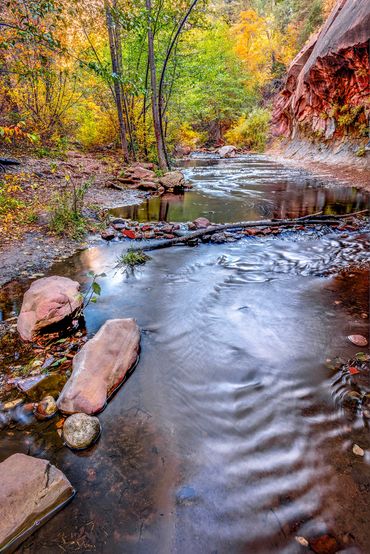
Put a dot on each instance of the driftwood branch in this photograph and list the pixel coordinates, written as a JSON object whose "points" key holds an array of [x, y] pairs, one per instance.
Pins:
{"points": [[310, 220]]}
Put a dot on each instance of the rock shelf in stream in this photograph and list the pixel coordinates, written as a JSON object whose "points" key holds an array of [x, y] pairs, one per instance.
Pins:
{"points": [[100, 367], [202, 229], [31, 491]]}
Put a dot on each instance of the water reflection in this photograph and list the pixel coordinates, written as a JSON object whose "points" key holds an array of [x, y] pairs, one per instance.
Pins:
{"points": [[246, 189]]}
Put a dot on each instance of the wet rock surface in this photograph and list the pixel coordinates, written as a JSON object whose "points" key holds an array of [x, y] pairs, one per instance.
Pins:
{"points": [[48, 301], [227, 151], [81, 431], [30, 488], [100, 367]]}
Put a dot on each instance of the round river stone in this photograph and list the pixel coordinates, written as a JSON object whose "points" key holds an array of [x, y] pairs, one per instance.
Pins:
{"points": [[81, 430]]}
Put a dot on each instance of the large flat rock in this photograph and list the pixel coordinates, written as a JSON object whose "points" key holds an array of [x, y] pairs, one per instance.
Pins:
{"points": [[100, 367], [48, 301], [30, 490]]}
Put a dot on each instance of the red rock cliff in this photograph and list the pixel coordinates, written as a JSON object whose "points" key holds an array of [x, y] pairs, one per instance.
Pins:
{"points": [[326, 93]]}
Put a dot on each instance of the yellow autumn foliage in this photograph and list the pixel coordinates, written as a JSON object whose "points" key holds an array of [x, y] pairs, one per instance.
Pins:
{"points": [[261, 45]]}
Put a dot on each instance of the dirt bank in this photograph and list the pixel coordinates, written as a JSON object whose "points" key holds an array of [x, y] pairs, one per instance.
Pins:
{"points": [[26, 244]]}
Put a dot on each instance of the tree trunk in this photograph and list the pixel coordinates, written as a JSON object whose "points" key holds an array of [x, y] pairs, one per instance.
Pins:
{"points": [[114, 49], [162, 160], [161, 107]]}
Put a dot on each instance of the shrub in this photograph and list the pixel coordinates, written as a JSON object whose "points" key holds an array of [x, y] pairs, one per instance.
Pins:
{"points": [[251, 131], [66, 211], [186, 136]]}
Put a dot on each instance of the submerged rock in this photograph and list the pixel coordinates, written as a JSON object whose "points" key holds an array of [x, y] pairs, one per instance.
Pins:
{"points": [[46, 408], [81, 431], [48, 301], [41, 385], [30, 489], [100, 367]]}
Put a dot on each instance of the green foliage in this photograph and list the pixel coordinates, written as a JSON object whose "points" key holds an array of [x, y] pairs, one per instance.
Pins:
{"points": [[132, 258], [7, 202], [251, 131], [94, 290], [66, 212], [56, 151], [212, 91], [348, 115], [361, 152]]}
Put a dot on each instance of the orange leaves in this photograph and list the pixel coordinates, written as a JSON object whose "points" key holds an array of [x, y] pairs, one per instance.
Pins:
{"points": [[15, 133]]}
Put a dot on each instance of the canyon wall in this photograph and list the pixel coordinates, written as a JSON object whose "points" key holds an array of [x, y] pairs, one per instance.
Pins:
{"points": [[326, 94]]}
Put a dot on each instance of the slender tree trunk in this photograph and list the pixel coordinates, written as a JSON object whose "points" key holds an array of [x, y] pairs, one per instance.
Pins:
{"points": [[162, 159], [114, 48], [163, 74]]}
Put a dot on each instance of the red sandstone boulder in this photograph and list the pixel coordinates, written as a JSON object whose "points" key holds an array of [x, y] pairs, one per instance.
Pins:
{"points": [[48, 301], [201, 223], [100, 367], [138, 173], [30, 489], [172, 180], [330, 73]]}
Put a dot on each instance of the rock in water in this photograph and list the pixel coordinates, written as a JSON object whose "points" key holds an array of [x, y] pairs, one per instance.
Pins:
{"points": [[227, 151], [46, 408], [48, 301], [172, 180], [358, 340], [30, 489], [201, 223], [80, 431], [100, 367]]}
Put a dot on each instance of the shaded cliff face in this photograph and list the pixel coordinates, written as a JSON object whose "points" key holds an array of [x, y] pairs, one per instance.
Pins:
{"points": [[326, 94]]}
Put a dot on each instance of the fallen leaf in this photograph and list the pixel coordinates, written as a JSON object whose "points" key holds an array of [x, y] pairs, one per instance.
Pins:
{"points": [[326, 544], [129, 234], [353, 370]]}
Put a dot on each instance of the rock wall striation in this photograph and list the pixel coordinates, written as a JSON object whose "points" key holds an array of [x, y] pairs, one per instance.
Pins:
{"points": [[327, 90]]}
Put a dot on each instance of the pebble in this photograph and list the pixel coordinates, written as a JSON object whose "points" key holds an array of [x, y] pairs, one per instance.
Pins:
{"points": [[358, 340], [302, 541], [46, 408], [358, 450], [12, 404], [80, 431]]}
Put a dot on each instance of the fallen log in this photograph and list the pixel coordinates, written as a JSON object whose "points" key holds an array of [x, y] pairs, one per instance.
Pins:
{"points": [[8, 161], [306, 221]]}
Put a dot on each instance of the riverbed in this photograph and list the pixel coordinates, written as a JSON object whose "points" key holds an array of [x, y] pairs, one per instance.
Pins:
{"points": [[229, 436]]}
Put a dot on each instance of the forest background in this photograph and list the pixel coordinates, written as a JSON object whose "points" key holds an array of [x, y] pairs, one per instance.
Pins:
{"points": [[130, 74]]}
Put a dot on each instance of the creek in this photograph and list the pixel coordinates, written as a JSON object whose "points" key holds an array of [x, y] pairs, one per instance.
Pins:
{"points": [[229, 436]]}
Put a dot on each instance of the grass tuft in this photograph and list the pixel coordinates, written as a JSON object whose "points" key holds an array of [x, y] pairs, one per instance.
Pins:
{"points": [[132, 258]]}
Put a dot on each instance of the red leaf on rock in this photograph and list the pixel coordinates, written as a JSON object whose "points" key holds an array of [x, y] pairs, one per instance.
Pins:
{"points": [[353, 370], [129, 234], [325, 544]]}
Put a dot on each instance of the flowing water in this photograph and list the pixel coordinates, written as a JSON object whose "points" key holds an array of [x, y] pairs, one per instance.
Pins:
{"points": [[228, 437]]}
